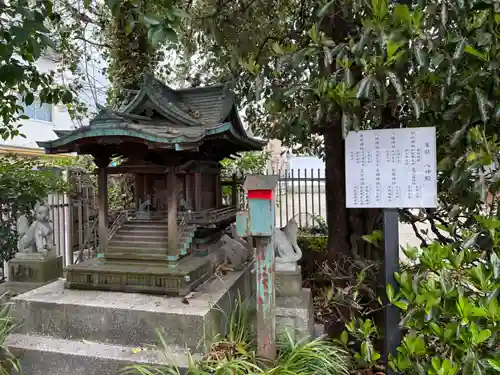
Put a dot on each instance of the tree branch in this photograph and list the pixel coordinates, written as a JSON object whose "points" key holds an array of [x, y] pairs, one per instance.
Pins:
{"points": [[105, 45]]}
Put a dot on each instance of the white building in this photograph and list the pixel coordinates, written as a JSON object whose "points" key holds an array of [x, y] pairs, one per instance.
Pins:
{"points": [[45, 118]]}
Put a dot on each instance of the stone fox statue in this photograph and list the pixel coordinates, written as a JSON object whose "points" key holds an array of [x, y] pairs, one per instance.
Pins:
{"points": [[285, 244], [36, 237]]}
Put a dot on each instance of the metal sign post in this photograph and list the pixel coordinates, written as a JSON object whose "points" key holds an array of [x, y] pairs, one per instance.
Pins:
{"points": [[391, 169]]}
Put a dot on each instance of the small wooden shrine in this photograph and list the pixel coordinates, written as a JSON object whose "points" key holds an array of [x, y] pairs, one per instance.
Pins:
{"points": [[172, 142]]}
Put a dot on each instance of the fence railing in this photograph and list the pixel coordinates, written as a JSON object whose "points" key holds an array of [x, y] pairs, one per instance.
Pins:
{"points": [[300, 194]]}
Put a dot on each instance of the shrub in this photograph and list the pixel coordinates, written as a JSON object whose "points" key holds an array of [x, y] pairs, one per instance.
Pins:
{"points": [[8, 361], [449, 304], [235, 354]]}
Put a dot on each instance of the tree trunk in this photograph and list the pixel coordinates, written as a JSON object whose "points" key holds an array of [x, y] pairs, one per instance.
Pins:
{"points": [[336, 211], [346, 227]]}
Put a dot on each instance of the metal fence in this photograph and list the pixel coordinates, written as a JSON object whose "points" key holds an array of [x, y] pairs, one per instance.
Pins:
{"points": [[300, 194]]}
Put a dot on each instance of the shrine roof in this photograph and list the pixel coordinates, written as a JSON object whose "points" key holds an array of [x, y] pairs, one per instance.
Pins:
{"points": [[159, 114]]}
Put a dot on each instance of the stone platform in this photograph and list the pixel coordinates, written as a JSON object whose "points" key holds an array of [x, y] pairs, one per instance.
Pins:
{"points": [[86, 332], [140, 277]]}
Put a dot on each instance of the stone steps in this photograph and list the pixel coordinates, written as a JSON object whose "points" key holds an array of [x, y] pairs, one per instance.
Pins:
{"points": [[138, 244], [47, 355], [85, 332]]}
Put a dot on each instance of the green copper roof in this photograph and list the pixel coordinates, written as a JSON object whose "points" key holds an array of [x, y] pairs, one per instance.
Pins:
{"points": [[159, 114]]}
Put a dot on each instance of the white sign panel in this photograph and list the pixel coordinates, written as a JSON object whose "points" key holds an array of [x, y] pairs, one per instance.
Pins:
{"points": [[391, 168]]}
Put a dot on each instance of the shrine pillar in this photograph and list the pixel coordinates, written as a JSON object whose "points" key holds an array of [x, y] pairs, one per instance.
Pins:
{"points": [[173, 235], [218, 191], [102, 186], [197, 192]]}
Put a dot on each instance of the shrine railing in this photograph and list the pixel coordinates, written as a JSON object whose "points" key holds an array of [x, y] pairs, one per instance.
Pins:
{"points": [[211, 215], [120, 219], [181, 227], [86, 243]]}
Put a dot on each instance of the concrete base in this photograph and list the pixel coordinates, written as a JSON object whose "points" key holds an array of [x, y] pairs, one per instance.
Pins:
{"points": [[178, 278], [28, 271], [288, 283], [33, 268], [47, 355], [14, 288], [61, 329], [296, 314], [294, 305]]}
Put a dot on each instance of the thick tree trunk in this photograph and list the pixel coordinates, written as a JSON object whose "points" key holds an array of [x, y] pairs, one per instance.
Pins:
{"points": [[338, 230]]}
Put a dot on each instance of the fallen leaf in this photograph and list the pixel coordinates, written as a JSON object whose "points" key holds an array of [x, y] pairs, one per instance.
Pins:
{"points": [[136, 350]]}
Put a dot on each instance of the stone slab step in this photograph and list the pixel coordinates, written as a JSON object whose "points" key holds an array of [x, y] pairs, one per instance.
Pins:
{"points": [[135, 235], [129, 318], [138, 244], [136, 228], [140, 239], [46, 355]]}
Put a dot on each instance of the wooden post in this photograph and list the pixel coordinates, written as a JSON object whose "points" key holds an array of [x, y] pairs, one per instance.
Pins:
{"points": [[266, 298], [188, 190], [261, 206], [103, 209], [218, 191], [172, 213], [197, 192], [69, 223], [234, 192]]}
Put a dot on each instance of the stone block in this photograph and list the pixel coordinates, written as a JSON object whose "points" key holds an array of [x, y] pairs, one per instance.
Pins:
{"points": [[288, 283], [45, 355], [133, 276], [130, 319], [35, 270], [295, 314]]}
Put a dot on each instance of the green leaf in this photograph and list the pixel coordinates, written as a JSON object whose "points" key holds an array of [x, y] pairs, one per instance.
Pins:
{"points": [[29, 99], [129, 27], [494, 363], [416, 107], [113, 5], [151, 20], [392, 48], [379, 9], [277, 48], [474, 52], [344, 338], [390, 292], [67, 97], [171, 35], [395, 83], [402, 13], [459, 49], [444, 14], [420, 55], [20, 33], [495, 262], [483, 336], [364, 88], [324, 9], [483, 105]]}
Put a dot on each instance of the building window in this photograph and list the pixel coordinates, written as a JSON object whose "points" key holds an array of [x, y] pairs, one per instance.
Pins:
{"points": [[38, 111]]}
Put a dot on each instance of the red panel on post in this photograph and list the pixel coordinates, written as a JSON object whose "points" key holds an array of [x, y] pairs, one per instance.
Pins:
{"points": [[260, 194]]}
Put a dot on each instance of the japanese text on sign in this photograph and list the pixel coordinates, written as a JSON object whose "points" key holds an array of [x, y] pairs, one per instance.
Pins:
{"points": [[391, 168]]}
